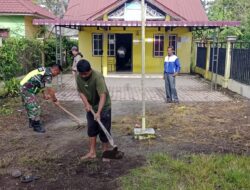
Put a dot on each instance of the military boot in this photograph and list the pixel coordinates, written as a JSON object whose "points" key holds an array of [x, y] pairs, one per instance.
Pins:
{"points": [[38, 127], [30, 123]]}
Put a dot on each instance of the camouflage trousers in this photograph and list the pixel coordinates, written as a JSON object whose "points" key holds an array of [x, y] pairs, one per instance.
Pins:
{"points": [[31, 105]]}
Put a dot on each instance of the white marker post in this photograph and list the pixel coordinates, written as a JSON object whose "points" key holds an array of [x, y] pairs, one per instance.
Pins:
{"points": [[143, 133]]}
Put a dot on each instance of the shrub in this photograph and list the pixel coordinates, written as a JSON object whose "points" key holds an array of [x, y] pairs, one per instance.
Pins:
{"points": [[21, 55], [50, 51], [12, 87], [18, 56]]}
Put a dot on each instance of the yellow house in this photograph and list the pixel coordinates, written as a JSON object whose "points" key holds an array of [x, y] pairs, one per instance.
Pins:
{"points": [[110, 32]]}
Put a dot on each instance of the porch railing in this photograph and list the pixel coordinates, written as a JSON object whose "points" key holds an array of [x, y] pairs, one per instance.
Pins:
{"points": [[233, 61]]}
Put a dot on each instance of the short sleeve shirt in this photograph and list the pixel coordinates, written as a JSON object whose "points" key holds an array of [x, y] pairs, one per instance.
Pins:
{"points": [[93, 88]]}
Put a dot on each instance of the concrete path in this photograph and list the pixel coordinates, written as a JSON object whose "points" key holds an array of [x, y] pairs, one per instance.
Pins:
{"points": [[124, 87]]}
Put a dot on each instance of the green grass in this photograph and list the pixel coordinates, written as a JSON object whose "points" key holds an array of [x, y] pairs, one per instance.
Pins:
{"points": [[5, 111], [195, 172]]}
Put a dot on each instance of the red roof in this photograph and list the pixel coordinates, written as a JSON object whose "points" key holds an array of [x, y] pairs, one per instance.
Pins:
{"points": [[190, 10], [63, 22], [22, 7]]}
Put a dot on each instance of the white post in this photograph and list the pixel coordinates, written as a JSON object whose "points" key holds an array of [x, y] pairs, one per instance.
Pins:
{"points": [[230, 40], [143, 132], [143, 17]]}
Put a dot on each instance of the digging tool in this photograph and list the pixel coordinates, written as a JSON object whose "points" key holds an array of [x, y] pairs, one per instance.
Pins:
{"points": [[110, 154], [70, 114]]}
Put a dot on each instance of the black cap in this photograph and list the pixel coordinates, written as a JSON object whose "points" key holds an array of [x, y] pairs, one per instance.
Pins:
{"points": [[74, 48], [83, 66]]}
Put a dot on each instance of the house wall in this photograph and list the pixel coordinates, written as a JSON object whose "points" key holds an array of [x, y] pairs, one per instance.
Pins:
{"points": [[30, 29], [153, 64], [16, 24]]}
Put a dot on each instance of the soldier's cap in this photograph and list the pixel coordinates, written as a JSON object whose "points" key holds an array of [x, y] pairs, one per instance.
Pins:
{"points": [[83, 66], [74, 48]]}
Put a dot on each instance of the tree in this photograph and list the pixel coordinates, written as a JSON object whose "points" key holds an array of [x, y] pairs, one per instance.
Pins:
{"points": [[229, 10], [232, 10], [58, 7]]}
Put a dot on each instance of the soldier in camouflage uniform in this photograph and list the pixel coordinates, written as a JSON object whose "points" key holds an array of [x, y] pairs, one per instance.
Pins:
{"points": [[38, 80]]}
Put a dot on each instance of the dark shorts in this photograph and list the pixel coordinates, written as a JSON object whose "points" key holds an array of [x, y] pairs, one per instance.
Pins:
{"points": [[93, 127]]}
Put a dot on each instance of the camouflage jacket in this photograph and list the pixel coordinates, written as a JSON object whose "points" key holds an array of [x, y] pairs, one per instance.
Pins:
{"points": [[36, 80]]}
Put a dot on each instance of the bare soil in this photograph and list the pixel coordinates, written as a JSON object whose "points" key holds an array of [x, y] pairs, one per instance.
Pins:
{"points": [[54, 156]]}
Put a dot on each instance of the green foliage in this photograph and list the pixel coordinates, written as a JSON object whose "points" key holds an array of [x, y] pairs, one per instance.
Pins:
{"points": [[67, 45], [50, 51], [5, 111], [192, 172], [9, 65], [21, 55], [230, 10], [12, 87], [18, 56]]}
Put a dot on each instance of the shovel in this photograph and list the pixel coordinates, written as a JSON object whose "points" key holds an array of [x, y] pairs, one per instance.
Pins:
{"points": [[77, 120], [110, 154]]}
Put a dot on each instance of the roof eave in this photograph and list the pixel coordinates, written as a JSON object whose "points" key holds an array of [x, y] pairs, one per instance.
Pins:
{"points": [[61, 22], [27, 14]]}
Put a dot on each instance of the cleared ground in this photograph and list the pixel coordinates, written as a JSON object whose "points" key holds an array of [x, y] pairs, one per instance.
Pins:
{"points": [[184, 129]]}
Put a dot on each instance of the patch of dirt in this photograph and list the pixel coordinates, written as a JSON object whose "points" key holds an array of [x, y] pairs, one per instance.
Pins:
{"points": [[54, 156]]}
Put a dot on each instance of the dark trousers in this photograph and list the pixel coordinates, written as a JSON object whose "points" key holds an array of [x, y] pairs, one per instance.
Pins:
{"points": [[93, 127], [171, 92]]}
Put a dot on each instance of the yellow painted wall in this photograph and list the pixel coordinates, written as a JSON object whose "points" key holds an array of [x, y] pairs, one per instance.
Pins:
{"points": [[153, 64], [30, 29]]}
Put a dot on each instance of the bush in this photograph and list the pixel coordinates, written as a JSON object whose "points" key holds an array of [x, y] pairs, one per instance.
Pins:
{"points": [[12, 87], [50, 51], [19, 56]]}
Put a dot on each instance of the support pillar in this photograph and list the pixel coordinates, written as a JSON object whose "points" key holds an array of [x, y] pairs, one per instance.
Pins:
{"points": [[206, 75], [105, 54], [230, 40], [195, 50]]}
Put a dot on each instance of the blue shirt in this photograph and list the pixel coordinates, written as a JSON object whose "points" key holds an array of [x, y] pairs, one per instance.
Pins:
{"points": [[172, 64]]}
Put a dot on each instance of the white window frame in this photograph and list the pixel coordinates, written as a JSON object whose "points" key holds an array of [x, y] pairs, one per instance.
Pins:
{"points": [[109, 45], [99, 49], [175, 44], [154, 44]]}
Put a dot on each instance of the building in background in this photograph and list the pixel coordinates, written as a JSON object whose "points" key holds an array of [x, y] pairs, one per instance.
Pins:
{"points": [[16, 18], [110, 31]]}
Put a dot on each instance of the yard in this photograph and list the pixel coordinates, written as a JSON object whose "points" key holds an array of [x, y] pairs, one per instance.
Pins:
{"points": [[203, 143], [198, 146]]}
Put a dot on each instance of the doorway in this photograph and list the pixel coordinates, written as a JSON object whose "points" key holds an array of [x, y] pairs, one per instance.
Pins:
{"points": [[124, 52]]}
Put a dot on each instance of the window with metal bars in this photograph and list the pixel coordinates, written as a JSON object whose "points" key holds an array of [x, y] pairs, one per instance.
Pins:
{"points": [[173, 42], [97, 44], [111, 45], [158, 45]]}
